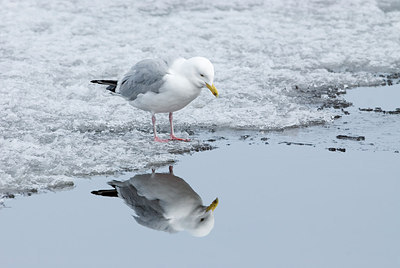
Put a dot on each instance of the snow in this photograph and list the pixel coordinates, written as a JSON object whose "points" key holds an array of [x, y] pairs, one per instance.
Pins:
{"points": [[55, 126]]}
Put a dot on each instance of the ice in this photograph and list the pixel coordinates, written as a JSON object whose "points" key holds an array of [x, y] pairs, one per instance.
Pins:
{"points": [[268, 57]]}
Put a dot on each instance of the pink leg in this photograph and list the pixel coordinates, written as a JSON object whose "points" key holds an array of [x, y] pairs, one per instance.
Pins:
{"points": [[172, 135], [156, 138]]}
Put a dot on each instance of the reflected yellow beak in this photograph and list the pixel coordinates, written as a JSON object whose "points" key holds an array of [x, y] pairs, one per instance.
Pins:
{"points": [[213, 205], [213, 89]]}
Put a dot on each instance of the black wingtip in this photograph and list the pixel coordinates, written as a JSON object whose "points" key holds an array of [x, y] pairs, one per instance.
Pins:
{"points": [[105, 82], [101, 82], [112, 84]]}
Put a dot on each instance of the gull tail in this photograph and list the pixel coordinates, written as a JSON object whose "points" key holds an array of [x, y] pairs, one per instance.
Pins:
{"points": [[110, 193], [112, 84]]}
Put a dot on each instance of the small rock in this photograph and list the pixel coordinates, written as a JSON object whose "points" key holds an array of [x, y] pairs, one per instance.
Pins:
{"points": [[366, 109], [353, 138], [397, 111], [204, 147], [379, 110], [337, 149], [345, 112], [296, 143], [244, 137]]}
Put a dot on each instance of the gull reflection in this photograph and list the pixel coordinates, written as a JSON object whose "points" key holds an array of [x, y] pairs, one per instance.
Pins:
{"points": [[164, 202]]}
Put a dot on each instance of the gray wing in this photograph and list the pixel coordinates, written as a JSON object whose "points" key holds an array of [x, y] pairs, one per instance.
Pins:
{"points": [[149, 213], [144, 76]]}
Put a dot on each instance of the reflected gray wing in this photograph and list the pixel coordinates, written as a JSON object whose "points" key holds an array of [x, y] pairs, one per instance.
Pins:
{"points": [[149, 213], [144, 76]]}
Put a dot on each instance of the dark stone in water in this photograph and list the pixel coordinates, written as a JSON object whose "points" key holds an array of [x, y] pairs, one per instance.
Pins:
{"points": [[216, 139], [366, 109], [264, 139], [379, 110], [397, 111], [296, 143], [337, 117], [244, 137], [204, 147], [345, 112], [353, 138], [337, 149]]}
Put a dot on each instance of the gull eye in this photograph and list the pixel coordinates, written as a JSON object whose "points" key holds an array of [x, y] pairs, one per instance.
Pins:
{"points": [[202, 219], [202, 75]]}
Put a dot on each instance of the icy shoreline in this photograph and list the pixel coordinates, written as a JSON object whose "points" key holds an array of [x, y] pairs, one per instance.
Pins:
{"points": [[353, 129]]}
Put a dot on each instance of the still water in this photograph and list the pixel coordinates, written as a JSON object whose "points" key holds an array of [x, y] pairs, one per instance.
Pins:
{"points": [[279, 206]]}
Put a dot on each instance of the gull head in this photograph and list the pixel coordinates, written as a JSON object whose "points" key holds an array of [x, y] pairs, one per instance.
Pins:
{"points": [[201, 73], [202, 221]]}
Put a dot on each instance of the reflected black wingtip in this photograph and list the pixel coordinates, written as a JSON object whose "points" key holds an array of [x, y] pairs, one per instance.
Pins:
{"points": [[110, 193]]}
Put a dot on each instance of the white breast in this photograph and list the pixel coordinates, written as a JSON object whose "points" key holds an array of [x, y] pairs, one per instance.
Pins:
{"points": [[175, 94]]}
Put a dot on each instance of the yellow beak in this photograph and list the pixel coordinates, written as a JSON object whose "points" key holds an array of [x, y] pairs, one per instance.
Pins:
{"points": [[213, 89], [213, 205]]}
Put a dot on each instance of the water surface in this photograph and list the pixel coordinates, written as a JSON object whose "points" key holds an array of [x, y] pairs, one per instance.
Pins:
{"points": [[280, 206]]}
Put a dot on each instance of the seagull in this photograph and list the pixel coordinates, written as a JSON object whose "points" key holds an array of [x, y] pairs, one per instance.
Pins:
{"points": [[159, 86], [164, 202]]}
